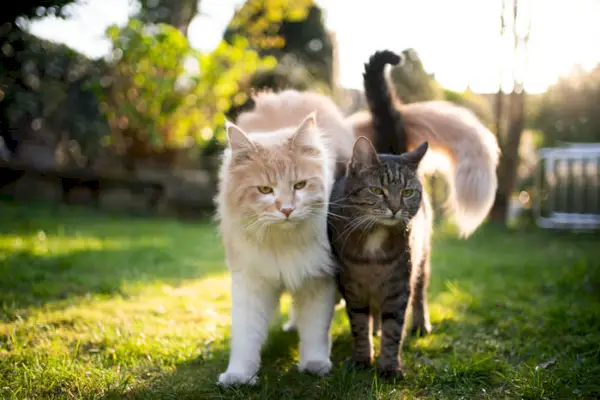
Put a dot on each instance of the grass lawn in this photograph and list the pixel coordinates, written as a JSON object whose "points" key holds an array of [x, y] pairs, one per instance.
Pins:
{"points": [[101, 306]]}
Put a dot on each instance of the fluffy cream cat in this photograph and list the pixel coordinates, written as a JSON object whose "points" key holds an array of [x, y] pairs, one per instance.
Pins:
{"points": [[275, 183]]}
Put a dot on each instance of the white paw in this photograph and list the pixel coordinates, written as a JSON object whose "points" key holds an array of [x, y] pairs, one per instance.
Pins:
{"points": [[289, 326], [317, 367], [236, 378]]}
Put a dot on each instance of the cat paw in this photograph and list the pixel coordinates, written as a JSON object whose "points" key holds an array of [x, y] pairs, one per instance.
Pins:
{"points": [[316, 367], [227, 379], [361, 362], [421, 330], [390, 372]]}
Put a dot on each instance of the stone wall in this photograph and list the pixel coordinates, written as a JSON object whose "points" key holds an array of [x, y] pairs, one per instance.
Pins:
{"points": [[163, 192]]}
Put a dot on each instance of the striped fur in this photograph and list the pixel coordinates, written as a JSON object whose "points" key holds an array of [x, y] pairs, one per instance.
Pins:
{"points": [[380, 227], [461, 147]]}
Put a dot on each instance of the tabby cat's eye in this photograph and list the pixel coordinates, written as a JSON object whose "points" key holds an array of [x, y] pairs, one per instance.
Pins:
{"points": [[408, 192], [300, 185], [376, 190], [265, 189]]}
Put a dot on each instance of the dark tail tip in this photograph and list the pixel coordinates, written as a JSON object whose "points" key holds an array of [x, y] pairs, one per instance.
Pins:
{"points": [[379, 59]]}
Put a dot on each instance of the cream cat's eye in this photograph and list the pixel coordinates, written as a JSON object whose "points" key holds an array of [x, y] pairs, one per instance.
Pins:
{"points": [[300, 185], [408, 192], [377, 191], [265, 189]]}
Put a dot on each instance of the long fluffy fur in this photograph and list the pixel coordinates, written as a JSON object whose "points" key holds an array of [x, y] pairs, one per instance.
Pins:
{"points": [[461, 148], [287, 108], [295, 259]]}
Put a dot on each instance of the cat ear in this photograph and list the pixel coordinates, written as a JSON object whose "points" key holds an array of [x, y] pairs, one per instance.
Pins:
{"points": [[414, 157], [364, 154], [238, 140], [304, 135]]}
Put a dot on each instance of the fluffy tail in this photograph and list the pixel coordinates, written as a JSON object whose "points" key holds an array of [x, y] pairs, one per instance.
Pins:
{"points": [[391, 137], [461, 148], [273, 111]]}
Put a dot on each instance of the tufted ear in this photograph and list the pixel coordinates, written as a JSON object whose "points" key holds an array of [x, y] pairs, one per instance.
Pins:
{"points": [[414, 157], [305, 133], [363, 154], [237, 139]]}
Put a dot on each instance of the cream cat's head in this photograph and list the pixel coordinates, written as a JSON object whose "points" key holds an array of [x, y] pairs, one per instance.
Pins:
{"points": [[276, 179]]}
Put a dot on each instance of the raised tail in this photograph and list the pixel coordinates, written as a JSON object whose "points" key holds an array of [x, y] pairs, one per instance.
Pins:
{"points": [[460, 147], [391, 137]]}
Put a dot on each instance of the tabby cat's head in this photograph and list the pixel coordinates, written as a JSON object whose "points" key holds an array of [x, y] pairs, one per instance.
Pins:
{"points": [[384, 188]]}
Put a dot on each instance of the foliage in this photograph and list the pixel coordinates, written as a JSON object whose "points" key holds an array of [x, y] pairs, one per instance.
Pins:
{"points": [[412, 82], [570, 110], [294, 33], [34, 9], [46, 86], [472, 101], [163, 94], [259, 21], [178, 13], [101, 306]]}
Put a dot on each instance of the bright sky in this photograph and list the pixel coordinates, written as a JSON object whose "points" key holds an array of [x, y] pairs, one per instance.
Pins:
{"points": [[457, 40]]}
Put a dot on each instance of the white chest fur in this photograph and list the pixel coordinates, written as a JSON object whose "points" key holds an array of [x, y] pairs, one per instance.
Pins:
{"points": [[375, 241], [287, 260]]}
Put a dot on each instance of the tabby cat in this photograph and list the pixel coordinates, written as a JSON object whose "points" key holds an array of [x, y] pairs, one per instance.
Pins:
{"points": [[380, 227]]}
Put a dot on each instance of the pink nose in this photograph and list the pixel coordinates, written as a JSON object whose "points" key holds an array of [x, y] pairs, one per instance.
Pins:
{"points": [[287, 210]]}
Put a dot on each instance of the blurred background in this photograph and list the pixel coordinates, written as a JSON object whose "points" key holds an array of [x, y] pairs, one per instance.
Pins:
{"points": [[121, 103], [111, 126]]}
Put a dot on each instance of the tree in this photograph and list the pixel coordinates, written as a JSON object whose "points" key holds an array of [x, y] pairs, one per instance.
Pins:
{"points": [[500, 98], [509, 143], [473, 102], [50, 87], [178, 13], [412, 82], [294, 33], [34, 9], [570, 109], [13, 42], [154, 105]]}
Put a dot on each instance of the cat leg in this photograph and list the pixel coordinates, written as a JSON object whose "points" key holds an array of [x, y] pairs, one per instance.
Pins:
{"points": [[376, 318], [393, 313], [290, 325], [362, 346], [252, 304], [420, 311], [314, 305]]}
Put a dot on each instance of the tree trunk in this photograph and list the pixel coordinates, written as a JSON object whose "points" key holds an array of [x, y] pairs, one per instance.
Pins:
{"points": [[509, 162], [182, 13], [178, 13], [499, 111]]}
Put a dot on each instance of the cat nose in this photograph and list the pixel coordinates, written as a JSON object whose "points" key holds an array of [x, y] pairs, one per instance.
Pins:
{"points": [[394, 210], [287, 210]]}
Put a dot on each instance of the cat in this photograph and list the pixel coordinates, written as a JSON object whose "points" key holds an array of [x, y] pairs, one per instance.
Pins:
{"points": [[460, 146], [381, 219], [272, 202], [380, 228], [380, 225], [266, 256]]}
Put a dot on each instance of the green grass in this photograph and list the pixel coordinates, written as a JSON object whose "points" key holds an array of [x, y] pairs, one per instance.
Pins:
{"points": [[101, 306]]}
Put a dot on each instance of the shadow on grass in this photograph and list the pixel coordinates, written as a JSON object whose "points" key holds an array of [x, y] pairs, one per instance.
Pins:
{"points": [[278, 377], [515, 316], [58, 256]]}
